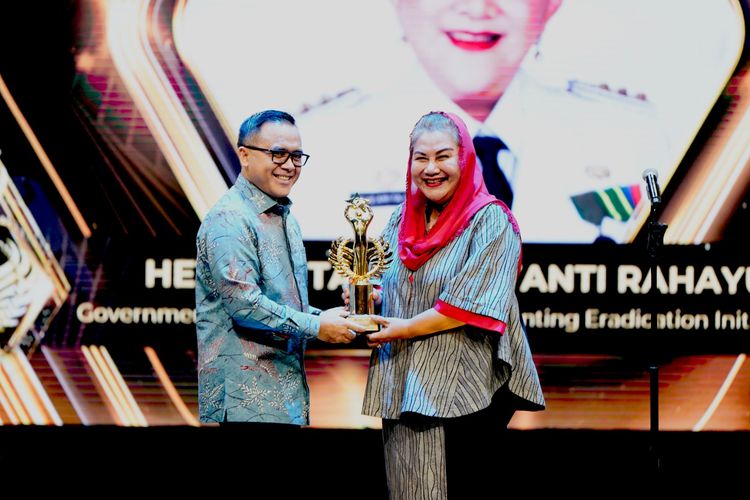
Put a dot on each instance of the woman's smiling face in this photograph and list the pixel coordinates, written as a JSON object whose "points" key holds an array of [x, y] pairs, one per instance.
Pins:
{"points": [[434, 165]]}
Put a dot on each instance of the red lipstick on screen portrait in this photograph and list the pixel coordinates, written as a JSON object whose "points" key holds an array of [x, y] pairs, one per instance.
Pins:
{"points": [[473, 41]]}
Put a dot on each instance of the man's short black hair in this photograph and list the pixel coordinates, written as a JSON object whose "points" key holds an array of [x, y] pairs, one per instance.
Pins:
{"points": [[252, 125]]}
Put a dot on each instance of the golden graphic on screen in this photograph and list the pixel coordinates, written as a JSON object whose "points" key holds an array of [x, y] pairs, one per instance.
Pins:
{"points": [[32, 284]]}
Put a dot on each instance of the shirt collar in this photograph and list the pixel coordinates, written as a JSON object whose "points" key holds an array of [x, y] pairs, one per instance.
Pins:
{"points": [[261, 200], [506, 119]]}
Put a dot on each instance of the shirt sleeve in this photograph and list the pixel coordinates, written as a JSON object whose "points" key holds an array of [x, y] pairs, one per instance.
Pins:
{"points": [[483, 291], [232, 258]]}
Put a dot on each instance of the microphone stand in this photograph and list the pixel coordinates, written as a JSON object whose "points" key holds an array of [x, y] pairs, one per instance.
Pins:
{"points": [[654, 243]]}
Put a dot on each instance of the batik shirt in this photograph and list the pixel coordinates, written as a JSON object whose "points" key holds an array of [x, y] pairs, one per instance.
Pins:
{"points": [[252, 311], [455, 372]]}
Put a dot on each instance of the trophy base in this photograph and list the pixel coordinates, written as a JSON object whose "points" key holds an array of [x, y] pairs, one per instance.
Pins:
{"points": [[366, 321]]}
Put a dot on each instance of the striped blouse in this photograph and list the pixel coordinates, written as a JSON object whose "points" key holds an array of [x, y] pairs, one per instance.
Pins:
{"points": [[456, 372]]}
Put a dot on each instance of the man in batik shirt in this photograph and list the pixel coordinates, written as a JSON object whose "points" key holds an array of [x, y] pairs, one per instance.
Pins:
{"points": [[253, 315]]}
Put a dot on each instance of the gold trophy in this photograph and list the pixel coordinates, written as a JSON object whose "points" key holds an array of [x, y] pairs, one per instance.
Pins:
{"points": [[361, 262]]}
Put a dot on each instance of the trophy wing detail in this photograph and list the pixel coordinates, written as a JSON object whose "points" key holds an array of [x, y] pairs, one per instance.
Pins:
{"points": [[379, 257], [341, 257]]}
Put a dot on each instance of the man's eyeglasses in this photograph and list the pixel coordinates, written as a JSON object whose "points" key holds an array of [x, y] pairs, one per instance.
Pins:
{"points": [[279, 157]]}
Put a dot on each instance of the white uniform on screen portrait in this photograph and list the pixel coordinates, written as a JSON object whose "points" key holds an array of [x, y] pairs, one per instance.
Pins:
{"points": [[566, 139], [570, 141]]}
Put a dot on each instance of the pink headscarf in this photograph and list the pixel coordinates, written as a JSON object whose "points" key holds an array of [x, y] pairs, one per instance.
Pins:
{"points": [[414, 247]]}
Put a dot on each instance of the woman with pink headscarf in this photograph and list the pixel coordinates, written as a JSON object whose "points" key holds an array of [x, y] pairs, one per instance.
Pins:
{"points": [[453, 362]]}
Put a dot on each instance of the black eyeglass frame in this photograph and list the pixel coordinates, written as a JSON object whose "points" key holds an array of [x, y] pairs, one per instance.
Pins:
{"points": [[279, 157]]}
